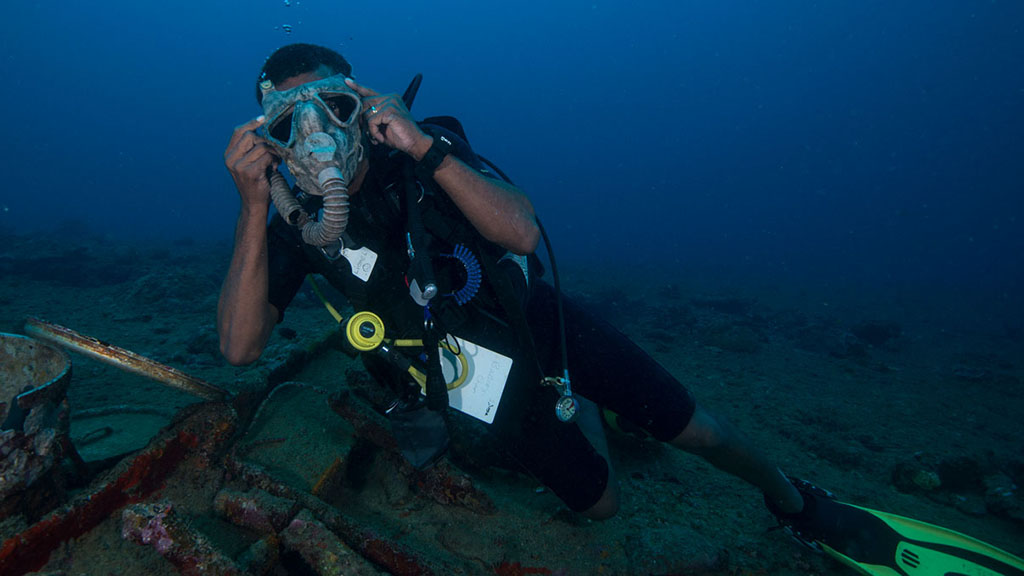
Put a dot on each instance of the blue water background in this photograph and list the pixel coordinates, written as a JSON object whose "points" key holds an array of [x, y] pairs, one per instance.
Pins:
{"points": [[865, 142]]}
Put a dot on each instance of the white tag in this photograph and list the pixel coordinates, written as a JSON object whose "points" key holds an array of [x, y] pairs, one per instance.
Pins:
{"points": [[362, 261], [480, 394]]}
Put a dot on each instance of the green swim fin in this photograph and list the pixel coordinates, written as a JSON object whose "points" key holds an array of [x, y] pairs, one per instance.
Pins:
{"points": [[882, 544]]}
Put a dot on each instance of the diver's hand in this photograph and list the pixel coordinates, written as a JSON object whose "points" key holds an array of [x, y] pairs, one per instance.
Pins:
{"points": [[248, 156], [388, 122]]}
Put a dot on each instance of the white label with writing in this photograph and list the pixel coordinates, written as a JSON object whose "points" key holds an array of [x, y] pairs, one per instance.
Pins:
{"points": [[480, 394], [362, 261]]}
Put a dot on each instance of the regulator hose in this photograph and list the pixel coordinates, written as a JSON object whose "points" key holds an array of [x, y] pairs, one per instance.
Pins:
{"points": [[330, 227]]}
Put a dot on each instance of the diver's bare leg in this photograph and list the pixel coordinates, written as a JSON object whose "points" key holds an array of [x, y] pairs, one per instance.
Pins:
{"points": [[718, 442], [589, 421]]}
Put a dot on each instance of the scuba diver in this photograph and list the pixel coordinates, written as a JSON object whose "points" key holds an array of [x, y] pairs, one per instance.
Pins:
{"points": [[431, 247]]}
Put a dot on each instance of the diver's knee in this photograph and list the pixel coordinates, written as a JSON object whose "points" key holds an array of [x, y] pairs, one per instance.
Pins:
{"points": [[703, 432], [607, 506]]}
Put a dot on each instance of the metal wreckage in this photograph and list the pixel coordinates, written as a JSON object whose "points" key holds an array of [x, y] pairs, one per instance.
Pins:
{"points": [[52, 496]]}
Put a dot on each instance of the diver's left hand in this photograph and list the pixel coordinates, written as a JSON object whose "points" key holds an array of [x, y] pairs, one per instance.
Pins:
{"points": [[389, 122]]}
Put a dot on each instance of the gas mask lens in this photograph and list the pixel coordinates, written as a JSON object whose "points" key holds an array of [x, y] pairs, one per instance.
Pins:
{"points": [[341, 105], [341, 108]]}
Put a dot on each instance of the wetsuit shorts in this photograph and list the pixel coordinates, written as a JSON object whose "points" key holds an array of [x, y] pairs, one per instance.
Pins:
{"points": [[610, 370]]}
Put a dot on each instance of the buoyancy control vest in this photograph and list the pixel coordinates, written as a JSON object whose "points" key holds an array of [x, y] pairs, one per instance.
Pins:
{"points": [[492, 318]]}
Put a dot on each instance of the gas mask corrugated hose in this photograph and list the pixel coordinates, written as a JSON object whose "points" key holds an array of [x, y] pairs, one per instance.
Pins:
{"points": [[315, 129]]}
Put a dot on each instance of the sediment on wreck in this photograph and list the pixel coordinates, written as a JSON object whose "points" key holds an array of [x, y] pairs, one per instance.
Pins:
{"points": [[202, 431]]}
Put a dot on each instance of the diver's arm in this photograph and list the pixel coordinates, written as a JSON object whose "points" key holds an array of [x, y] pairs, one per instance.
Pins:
{"points": [[245, 318], [501, 212]]}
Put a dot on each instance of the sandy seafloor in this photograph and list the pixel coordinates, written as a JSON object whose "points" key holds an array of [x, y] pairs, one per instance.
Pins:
{"points": [[779, 358]]}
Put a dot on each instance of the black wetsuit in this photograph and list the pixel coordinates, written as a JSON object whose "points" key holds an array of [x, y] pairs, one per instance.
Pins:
{"points": [[606, 367]]}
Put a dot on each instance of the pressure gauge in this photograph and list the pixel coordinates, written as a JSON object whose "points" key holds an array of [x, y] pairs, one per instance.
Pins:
{"points": [[567, 408]]}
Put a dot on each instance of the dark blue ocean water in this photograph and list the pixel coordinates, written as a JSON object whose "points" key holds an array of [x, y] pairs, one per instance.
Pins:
{"points": [[867, 141]]}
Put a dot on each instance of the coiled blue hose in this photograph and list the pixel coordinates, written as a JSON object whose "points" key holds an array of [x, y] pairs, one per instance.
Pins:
{"points": [[473, 274]]}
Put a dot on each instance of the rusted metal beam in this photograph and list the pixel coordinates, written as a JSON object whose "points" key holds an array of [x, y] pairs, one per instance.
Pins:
{"points": [[124, 359], [382, 551], [201, 432], [157, 524]]}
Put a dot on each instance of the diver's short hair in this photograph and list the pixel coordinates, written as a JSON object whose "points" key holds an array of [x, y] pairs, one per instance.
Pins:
{"points": [[294, 59]]}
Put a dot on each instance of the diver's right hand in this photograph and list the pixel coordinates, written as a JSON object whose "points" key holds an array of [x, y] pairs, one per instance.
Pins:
{"points": [[248, 156]]}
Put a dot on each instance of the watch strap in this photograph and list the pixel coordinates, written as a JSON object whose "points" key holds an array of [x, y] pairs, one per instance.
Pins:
{"points": [[441, 147]]}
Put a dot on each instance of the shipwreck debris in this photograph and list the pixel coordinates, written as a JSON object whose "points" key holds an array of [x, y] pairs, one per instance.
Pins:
{"points": [[199, 433], [124, 359], [157, 524], [34, 427]]}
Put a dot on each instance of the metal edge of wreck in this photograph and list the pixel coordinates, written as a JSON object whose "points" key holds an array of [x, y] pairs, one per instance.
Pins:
{"points": [[131, 480]]}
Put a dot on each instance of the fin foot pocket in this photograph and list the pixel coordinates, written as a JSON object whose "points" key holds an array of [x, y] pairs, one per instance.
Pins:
{"points": [[882, 544], [808, 526]]}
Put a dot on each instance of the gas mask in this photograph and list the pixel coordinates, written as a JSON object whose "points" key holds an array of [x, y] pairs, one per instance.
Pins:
{"points": [[315, 129]]}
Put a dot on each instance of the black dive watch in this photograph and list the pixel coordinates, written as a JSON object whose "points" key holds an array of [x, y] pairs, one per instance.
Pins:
{"points": [[426, 167]]}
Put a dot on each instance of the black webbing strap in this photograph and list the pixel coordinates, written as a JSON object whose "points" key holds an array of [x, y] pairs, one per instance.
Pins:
{"points": [[421, 275], [436, 387]]}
